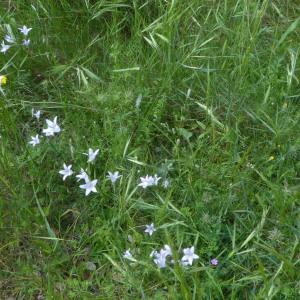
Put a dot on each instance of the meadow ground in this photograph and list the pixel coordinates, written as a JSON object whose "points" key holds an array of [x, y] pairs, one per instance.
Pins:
{"points": [[205, 94]]}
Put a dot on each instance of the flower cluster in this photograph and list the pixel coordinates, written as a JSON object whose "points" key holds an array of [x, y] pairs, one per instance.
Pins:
{"points": [[89, 185], [149, 181], [164, 255], [11, 40], [160, 258], [52, 128]]}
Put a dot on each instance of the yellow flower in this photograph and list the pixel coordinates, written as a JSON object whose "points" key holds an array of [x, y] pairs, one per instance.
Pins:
{"points": [[271, 158], [3, 80]]}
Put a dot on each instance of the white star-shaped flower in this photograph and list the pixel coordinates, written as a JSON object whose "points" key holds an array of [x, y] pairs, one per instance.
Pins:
{"points": [[150, 229], [146, 181], [36, 114], [67, 171], [127, 254], [89, 186], [82, 175], [161, 256], [10, 39], [160, 259], [34, 140], [26, 43], [25, 30], [91, 154], [189, 256], [4, 47], [52, 127], [113, 176]]}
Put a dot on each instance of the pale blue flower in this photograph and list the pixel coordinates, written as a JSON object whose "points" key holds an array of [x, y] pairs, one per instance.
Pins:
{"points": [[189, 256], [34, 140], [66, 172], [89, 186], [25, 30]]}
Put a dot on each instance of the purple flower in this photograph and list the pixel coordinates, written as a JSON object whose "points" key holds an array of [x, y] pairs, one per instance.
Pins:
{"points": [[214, 262]]}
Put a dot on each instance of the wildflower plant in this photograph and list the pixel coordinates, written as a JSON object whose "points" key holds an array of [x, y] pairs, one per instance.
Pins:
{"points": [[149, 149]]}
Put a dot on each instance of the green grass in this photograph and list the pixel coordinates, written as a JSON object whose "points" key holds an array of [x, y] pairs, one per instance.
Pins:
{"points": [[219, 117]]}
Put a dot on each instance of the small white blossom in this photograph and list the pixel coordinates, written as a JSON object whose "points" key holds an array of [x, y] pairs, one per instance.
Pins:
{"points": [[89, 186], [4, 47], [52, 127], [189, 256], [36, 114], [113, 176], [34, 140], [146, 181], [25, 30], [166, 183], [66, 172], [161, 256], [26, 43], [10, 39], [150, 229], [149, 181], [91, 154], [127, 254], [160, 259], [82, 175]]}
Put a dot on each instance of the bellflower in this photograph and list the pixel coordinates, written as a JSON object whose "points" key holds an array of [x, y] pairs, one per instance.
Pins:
{"points": [[91, 154], [113, 176], [82, 175], [26, 43], [4, 47], [161, 256], [189, 256], [89, 186], [10, 39], [150, 229], [214, 262], [36, 114], [25, 30], [146, 181], [66, 172], [52, 127], [160, 259], [34, 140]]}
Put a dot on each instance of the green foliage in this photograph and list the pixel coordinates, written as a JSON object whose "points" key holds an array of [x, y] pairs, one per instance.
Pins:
{"points": [[218, 87]]}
